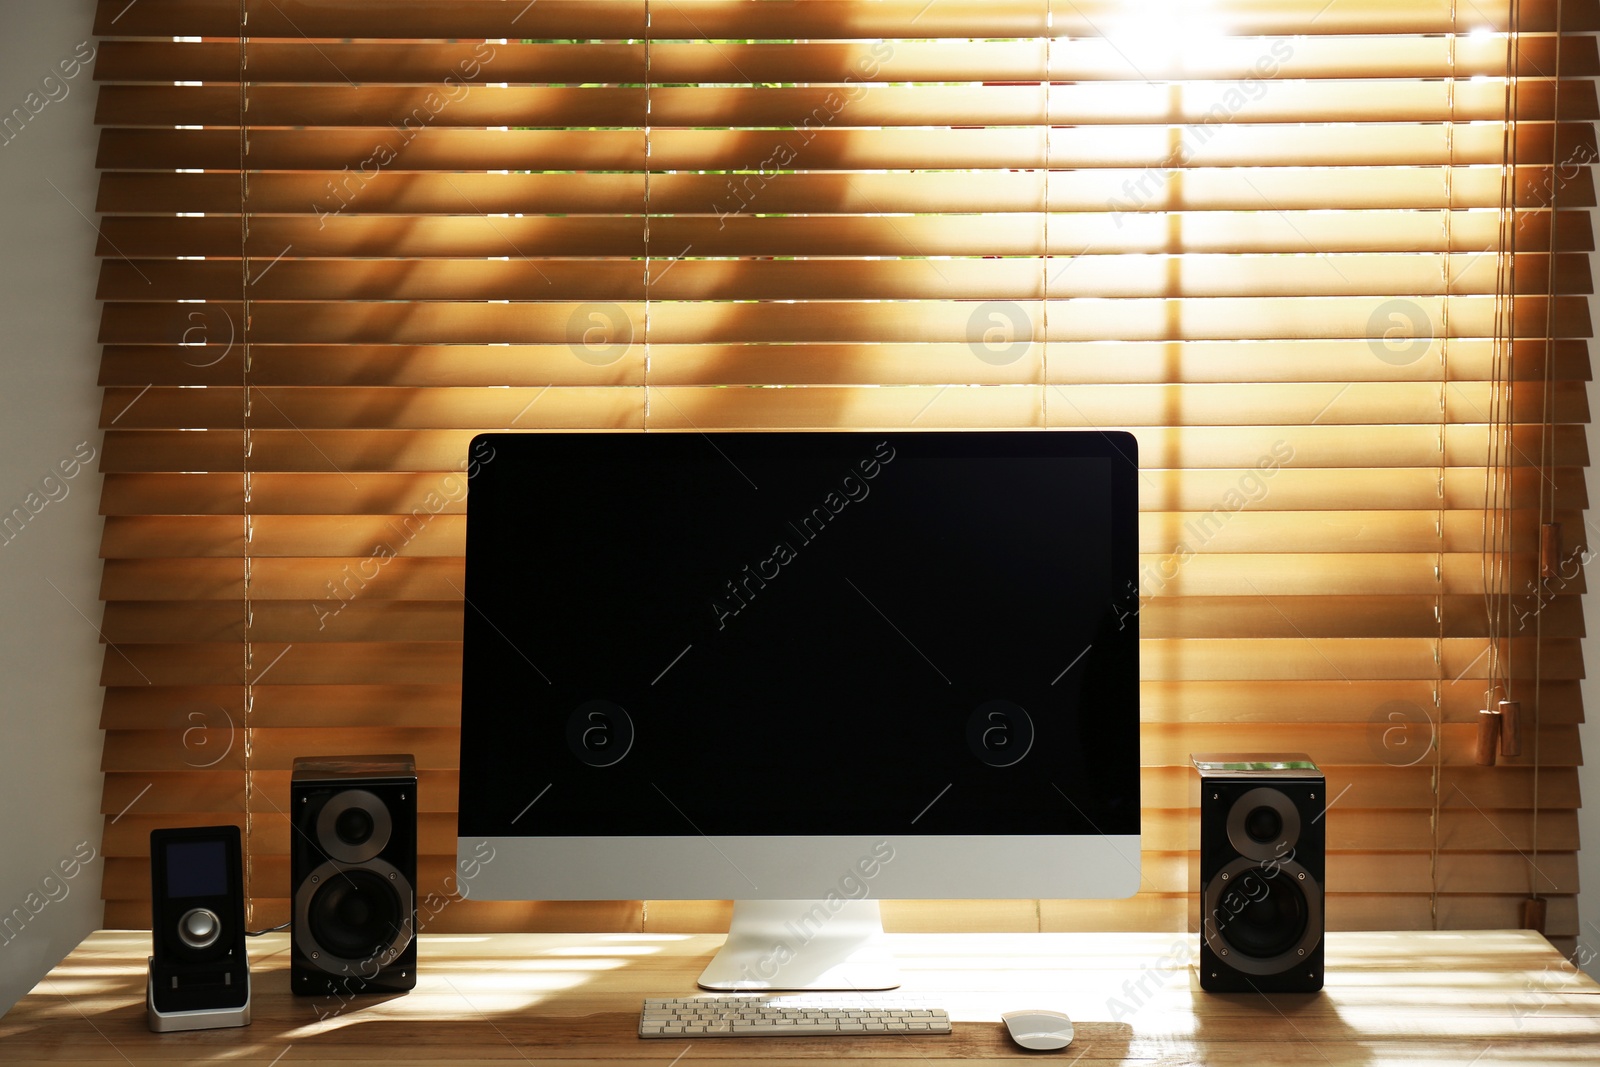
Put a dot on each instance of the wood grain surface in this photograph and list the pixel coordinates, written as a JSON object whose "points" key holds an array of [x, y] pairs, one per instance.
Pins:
{"points": [[1419, 999]]}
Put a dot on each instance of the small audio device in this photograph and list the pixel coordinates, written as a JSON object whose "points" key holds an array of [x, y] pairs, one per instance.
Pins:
{"points": [[353, 873], [199, 974], [1258, 871]]}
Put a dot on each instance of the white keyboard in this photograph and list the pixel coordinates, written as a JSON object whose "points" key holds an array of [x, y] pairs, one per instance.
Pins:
{"points": [[789, 1015]]}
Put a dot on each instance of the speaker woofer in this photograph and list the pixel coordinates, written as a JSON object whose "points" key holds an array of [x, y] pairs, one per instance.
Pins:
{"points": [[354, 916], [1262, 918]]}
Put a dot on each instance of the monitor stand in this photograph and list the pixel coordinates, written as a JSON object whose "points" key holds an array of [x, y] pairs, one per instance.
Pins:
{"points": [[803, 944]]}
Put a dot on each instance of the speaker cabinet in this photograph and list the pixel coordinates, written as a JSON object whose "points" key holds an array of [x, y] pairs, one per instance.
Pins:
{"points": [[1257, 872], [353, 863], [199, 974]]}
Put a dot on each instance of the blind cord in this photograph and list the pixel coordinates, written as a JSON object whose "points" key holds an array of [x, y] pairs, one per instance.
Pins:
{"points": [[246, 443], [1547, 445], [1498, 482], [1436, 721], [1049, 78], [647, 146]]}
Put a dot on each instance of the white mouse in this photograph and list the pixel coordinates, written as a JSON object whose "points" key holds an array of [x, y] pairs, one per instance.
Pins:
{"points": [[1038, 1029]]}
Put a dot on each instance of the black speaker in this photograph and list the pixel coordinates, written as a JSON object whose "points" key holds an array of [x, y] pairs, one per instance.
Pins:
{"points": [[199, 974], [1257, 871], [353, 867]]}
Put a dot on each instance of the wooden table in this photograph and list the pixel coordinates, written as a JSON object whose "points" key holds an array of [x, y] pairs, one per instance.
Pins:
{"points": [[1482, 997]]}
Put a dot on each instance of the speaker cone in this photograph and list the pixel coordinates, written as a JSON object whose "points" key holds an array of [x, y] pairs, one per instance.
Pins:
{"points": [[354, 826], [1260, 917], [355, 915], [1266, 924], [1264, 824]]}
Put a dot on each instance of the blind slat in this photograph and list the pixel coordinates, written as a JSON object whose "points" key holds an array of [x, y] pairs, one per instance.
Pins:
{"points": [[1105, 275], [1233, 188], [732, 19], [1075, 59], [1309, 423], [1073, 319], [1142, 229], [880, 363], [829, 148], [878, 106]]}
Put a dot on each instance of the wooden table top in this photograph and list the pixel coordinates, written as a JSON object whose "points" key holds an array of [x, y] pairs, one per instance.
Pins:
{"points": [[1419, 999]]}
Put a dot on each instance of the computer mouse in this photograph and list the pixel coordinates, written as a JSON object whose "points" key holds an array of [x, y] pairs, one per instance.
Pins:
{"points": [[1038, 1029]]}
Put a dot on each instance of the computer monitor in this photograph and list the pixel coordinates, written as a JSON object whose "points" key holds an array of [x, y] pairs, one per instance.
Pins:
{"points": [[802, 671]]}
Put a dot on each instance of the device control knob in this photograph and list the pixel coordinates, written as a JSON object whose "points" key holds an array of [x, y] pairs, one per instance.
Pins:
{"points": [[199, 928]]}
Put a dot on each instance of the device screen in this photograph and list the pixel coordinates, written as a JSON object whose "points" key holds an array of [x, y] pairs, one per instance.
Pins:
{"points": [[801, 634], [197, 868]]}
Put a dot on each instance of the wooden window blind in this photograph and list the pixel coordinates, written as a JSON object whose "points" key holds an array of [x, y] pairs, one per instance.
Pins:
{"points": [[1327, 260]]}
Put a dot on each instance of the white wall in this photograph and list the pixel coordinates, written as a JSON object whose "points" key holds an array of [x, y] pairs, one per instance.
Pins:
{"points": [[50, 740]]}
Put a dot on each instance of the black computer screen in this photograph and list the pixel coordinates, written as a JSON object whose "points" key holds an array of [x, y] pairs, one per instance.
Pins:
{"points": [[847, 633]]}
